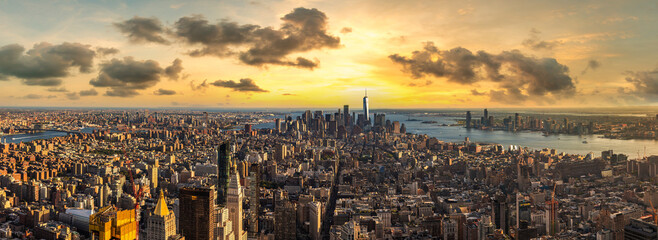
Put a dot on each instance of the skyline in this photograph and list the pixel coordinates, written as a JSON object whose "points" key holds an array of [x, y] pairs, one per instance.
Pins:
{"points": [[297, 54]]}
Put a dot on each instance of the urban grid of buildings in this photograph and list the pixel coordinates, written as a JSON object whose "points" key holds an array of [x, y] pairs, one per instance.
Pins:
{"points": [[321, 175]]}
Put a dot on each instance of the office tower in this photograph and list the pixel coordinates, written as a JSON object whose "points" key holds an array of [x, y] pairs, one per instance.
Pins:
{"points": [[552, 226], [223, 169], [224, 230], [235, 196], [280, 152], [254, 198], [468, 119], [501, 213], [153, 174], [277, 125], [247, 128], [485, 227], [109, 223], [197, 207], [640, 230], [523, 211], [346, 114], [366, 111], [315, 215], [285, 220], [486, 117], [162, 222]]}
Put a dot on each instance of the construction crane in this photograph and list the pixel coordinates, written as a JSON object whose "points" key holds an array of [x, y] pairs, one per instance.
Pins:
{"points": [[136, 194], [553, 211], [653, 211]]}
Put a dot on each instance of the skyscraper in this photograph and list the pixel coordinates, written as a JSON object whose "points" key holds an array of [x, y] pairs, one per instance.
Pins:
{"points": [[315, 215], [223, 169], [162, 222], [468, 119], [254, 198], [197, 207], [235, 196], [501, 213], [366, 111], [346, 114]]}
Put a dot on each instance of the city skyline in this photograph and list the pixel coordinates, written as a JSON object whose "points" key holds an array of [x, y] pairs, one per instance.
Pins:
{"points": [[318, 54]]}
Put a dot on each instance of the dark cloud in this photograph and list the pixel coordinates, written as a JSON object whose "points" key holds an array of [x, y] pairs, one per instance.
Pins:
{"points": [[121, 92], [244, 85], [62, 89], [73, 96], [172, 72], [346, 30], [591, 65], [45, 61], [47, 82], [645, 84], [126, 76], [535, 43], [140, 29], [302, 30], [201, 87], [101, 51], [164, 92], [476, 93], [90, 92], [289, 94], [33, 96], [520, 76]]}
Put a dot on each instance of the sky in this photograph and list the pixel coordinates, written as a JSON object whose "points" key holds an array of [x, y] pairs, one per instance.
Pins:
{"points": [[324, 54]]}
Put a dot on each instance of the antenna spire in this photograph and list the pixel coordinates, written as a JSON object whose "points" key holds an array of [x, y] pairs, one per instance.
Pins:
{"points": [[366, 92]]}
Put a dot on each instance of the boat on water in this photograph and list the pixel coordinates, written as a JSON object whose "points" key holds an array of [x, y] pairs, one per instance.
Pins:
{"points": [[585, 142]]}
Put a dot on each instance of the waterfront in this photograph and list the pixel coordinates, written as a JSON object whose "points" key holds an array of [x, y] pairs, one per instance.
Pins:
{"points": [[534, 140]]}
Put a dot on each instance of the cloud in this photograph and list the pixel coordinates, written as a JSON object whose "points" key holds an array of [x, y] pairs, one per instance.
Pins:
{"points": [[244, 85], [102, 51], [303, 30], [48, 82], [33, 96], [475, 92], [45, 61], [73, 96], [591, 65], [346, 30], [141, 30], [164, 92], [121, 92], [645, 84], [62, 89], [289, 94], [201, 87], [37, 96], [90, 92], [173, 71], [519, 75], [83, 93], [126, 76], [535, 43]]}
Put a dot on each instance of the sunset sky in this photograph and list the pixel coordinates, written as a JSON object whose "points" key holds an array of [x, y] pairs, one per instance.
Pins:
{"points": [[290, 54]]}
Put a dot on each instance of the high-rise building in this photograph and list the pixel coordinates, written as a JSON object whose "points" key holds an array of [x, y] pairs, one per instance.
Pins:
{"points": [[280, 152], [315, 215], [285, 220], [346, 114], [223, 170], [153, 174], [366, 111], [235, 196], [501, 213], [197, 207], [162, 222], [254, 198], [486, 117], [109, 223], [468, 119], [640, 230]]}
